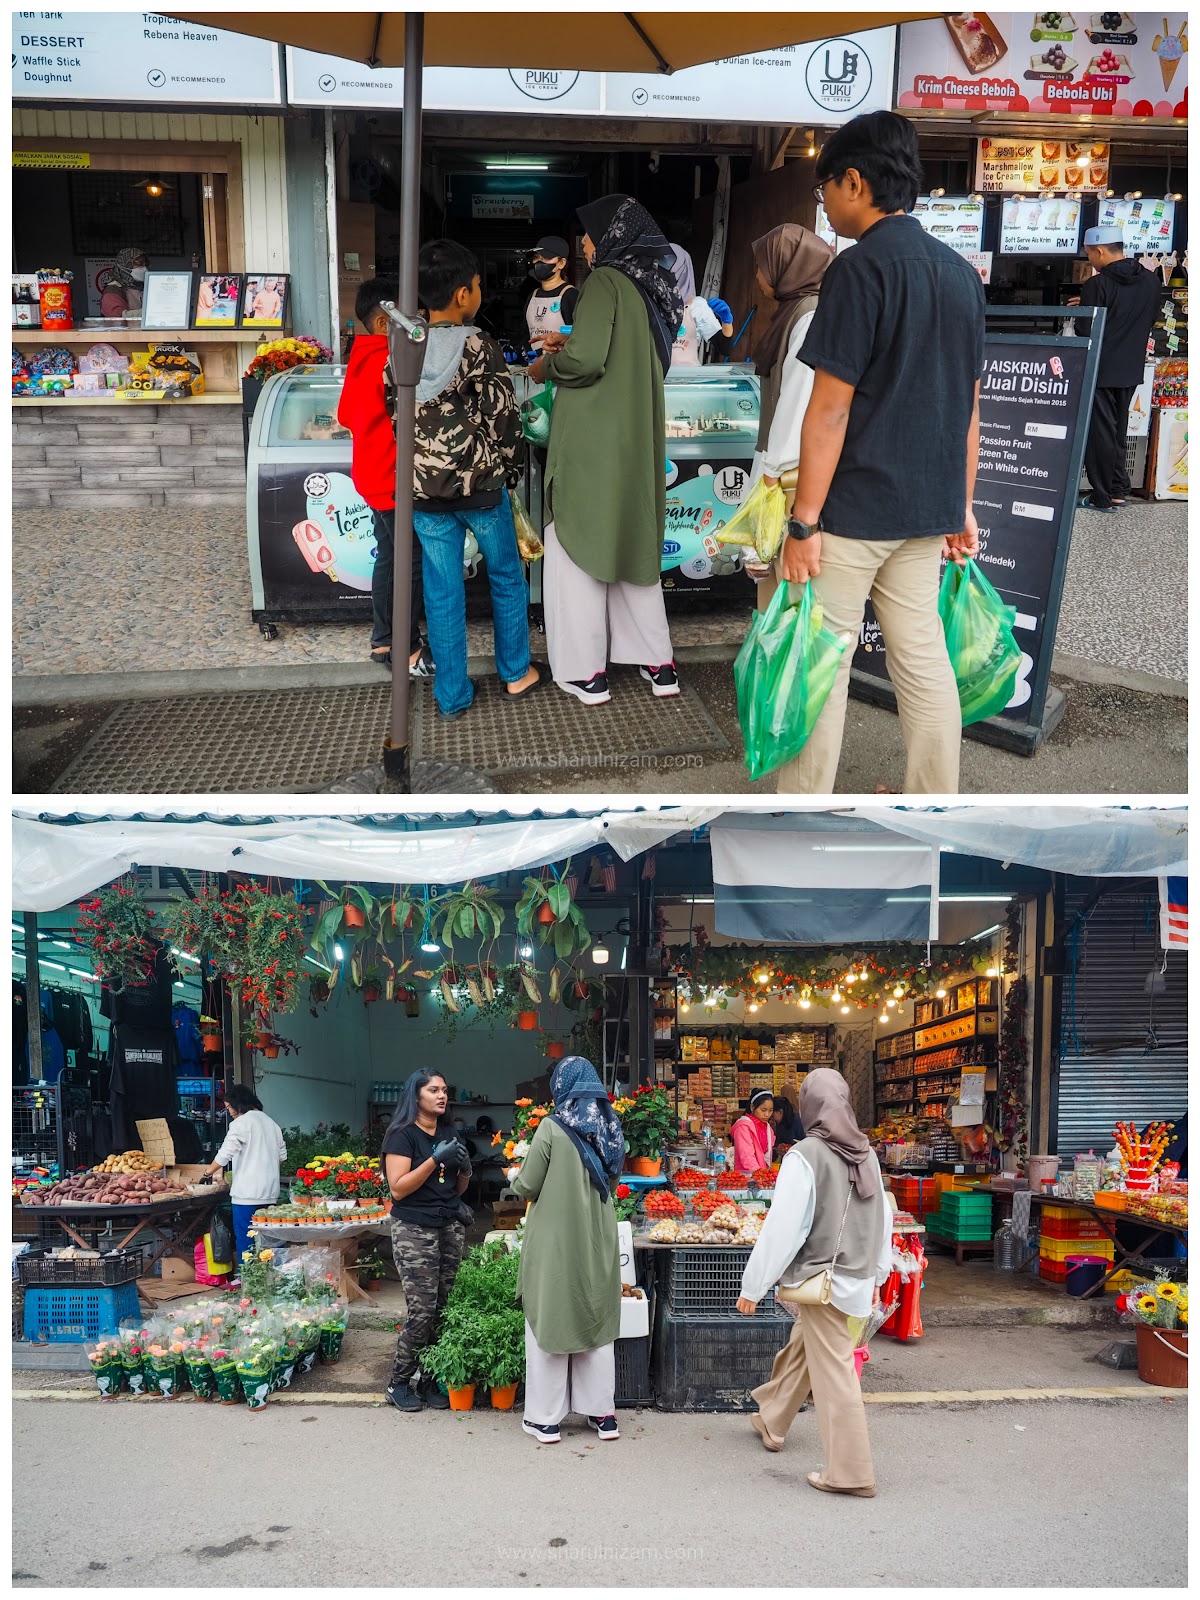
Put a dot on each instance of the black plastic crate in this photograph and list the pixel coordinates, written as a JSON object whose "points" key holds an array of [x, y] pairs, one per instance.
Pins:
{"points": [[711, 1363], [633, 1372], [36, 1267], [701, 1279]]}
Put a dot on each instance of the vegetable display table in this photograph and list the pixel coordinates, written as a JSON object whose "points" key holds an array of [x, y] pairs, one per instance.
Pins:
{"points": [[175, 1224], [343, 1237], [1128, 1258]]}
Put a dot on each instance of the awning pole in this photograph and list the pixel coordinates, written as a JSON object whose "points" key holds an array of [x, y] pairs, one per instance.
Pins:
{"points": [[33, 997], [407, 354]]}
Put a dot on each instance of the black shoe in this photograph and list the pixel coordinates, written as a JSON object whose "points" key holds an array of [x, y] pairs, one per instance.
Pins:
{"points": [[423, 666], [593, 692], [403, 1396], [606, 1427], [544, 1433], [663, 680], [382, 658], [433, 1396], [1088, 504]]}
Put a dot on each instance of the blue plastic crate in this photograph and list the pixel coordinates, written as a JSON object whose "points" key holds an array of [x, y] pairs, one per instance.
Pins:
{"points": [[71, 1315]]}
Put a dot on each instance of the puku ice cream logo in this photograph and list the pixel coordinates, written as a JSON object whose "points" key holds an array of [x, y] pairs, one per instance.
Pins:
{"points": [[838, 75], [543, 83]]}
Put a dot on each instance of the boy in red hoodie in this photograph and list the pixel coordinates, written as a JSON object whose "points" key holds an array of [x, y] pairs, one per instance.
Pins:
{"points": [[373, 469]]}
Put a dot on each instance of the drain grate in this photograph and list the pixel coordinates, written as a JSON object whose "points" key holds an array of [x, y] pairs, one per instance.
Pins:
{"points": [[303, 740]]}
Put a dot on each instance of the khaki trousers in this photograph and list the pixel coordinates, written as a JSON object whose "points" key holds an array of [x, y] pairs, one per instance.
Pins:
{"points": [[819, 1360], [901, 577]]}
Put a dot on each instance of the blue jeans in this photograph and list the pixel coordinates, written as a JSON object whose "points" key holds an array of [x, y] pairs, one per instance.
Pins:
{"points": [[242, 1218], [441, 534]]}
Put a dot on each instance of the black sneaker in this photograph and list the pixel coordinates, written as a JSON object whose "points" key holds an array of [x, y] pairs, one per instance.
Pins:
{"points": [[593, 692], [433, 1396], [423, 666], [544, 1433], [403, 1396], [663, 680], [606, 1427]]}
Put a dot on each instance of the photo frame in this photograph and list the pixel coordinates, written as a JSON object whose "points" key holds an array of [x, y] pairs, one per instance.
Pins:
{"points": [[167, 300], [265, 300], [218, 300]]}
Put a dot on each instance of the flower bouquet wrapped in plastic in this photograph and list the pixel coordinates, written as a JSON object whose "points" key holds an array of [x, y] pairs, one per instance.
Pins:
{"points": [[333, 1331], [223, 1363], [256, 1354], [132, 1346], [104, 1358]]}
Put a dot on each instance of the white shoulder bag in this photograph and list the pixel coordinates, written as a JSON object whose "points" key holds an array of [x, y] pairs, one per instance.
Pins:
{"points": [[817, 1290]]}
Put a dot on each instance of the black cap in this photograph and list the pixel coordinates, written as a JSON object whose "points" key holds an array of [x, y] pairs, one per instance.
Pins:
{"points": [[553, 247]]}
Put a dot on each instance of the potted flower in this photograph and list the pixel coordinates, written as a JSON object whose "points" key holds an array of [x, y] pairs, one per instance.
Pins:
{"points": [[547, 909], [266, 958], [117, 929], [333, 1331], [211, 1039], [371, 1268], [1161, 1310], [648, 1121], [625, 1202]]}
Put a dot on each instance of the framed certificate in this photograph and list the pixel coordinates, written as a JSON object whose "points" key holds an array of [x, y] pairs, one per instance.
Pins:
{"points": [[218, 300], [265, 299], [167, 300]]}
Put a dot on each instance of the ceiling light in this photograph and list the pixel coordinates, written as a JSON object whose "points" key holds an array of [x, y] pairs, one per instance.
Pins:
{"points": [[60, 944], [428, 945], [753, 1006], [683, 1006], [185, 955], [599, 954], [851, 977], [836, 996], [762, 976], [993, 972], [898, 991], [810, 135], [56, 965], [987, 932], [941, 994], [517, 166], [340, 955], [845, 1011], [154, 187], [526, 951], [891, 1004], [804, 1004]]}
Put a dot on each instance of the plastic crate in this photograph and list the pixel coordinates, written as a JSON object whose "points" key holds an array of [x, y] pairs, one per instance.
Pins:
{"points": [[959, 1204], [633, 1372], [702, 1279], [1060, 1249], [1072, 1230], [712, 1363], [36, 1267], [66, 1315]]}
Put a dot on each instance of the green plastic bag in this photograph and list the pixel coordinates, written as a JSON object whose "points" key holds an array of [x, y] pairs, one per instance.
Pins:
{"points": [[979, 638], [535, 415], [783, 674]]}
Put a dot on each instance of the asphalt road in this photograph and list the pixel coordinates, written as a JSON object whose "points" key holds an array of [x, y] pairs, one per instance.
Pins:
{"points": [[1020, 1494]]}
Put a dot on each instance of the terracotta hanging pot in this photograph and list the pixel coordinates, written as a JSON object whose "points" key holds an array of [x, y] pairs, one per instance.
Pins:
{"points": [[211, 1043], [545, 913], [262, 1039], [270, 1051], [371, 993], [527, 1021], [556, 1050], [354, 916]]}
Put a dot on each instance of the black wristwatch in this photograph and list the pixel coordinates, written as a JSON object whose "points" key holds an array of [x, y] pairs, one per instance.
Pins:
{"points": [[802, 530]]}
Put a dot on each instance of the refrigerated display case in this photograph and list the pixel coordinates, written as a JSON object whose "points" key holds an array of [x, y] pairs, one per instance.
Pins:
{"points": [[310, 534], [712, 427]]}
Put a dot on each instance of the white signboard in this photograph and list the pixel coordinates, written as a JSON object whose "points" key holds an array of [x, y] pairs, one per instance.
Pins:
{"points": [[956, 220], [1140, 405], [1005, 165], [502, 207], [1148, 225], [139, 57], [320, 80], [823, 83], [94, 269], [1032, 226]]}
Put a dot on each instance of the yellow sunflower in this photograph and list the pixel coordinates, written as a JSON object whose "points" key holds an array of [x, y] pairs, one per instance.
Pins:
{"points": [[1168, 1291], [1147, 1304], [1183, 1322]]}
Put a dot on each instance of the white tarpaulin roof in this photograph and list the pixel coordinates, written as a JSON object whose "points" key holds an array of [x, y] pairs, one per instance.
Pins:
{"points": [[56, 861]]}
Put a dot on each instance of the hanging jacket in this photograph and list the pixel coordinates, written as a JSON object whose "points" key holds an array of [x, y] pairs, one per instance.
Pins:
{"points": [[187, 1038]]}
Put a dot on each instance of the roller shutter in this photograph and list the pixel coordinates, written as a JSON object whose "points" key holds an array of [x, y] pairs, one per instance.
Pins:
{"points": [[1123, 1052]]}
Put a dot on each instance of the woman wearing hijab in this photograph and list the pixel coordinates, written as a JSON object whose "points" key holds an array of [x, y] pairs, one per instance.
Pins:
{"points": [[702, 319], [570, 1278], [124, 283], [753, 1136], [828, 1214], [605, 492]]}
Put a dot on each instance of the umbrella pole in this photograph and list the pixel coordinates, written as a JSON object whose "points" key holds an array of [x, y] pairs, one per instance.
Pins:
{"points": [[406, 365]]}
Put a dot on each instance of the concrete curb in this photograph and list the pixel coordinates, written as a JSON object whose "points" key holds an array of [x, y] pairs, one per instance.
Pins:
{"points": [[1101, 675], [915, 1397]]}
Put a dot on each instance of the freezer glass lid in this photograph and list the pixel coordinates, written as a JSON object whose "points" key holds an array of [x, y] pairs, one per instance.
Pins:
{"points": [[308, 408], [711, 402]]}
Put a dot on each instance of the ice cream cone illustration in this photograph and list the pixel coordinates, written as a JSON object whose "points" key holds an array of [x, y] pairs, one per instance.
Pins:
{"points": [[1169, 48]]}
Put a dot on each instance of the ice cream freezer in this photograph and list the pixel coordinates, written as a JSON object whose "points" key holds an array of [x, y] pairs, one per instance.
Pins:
{"points": [[712, 427], [310, 534]]}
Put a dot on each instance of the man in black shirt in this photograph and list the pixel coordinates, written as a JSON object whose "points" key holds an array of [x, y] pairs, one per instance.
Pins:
{"points": [[888, 447], [1131, 297]]}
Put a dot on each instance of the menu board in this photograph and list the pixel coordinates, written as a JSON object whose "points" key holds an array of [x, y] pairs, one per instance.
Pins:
{"points": [[1028, 166], [1116, 64], [1148, 226], [1032, 226], [1034, 403], [957, 220]]}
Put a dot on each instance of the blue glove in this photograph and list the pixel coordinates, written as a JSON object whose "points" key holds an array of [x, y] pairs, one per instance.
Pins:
{"points": [[721, 311]]}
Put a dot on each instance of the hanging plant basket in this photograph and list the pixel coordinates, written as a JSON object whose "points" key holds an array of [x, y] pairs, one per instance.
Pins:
{"points": [[212, 1044], [270, 1051], [556, 1049], [527, 1021], [371, 993], [354, 917]]}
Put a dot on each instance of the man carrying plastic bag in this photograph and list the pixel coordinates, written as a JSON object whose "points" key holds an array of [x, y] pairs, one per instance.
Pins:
{"points": [[784, 673]]}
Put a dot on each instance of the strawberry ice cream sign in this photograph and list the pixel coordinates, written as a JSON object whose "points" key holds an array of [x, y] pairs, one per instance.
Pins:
{"points": [[1104, 63]]}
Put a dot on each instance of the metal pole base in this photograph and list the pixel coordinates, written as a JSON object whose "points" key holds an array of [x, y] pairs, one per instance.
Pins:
{"points": [[419, 777]]}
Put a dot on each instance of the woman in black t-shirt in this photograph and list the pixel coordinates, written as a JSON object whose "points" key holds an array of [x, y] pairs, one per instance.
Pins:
{"points": [[427, 1169]]}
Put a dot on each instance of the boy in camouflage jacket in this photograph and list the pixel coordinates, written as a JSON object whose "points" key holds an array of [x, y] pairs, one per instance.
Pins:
{"points": [[468, 449]]}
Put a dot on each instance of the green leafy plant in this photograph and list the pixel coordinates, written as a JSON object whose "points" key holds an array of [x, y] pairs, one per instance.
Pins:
{"points": [[203, 925], [502, 1348], [333, 927], [370, 1267], [486, 1281], [391, 916], [472, 912], [547, 911], [326, 1139], [453, 1360], [584, 993], [648, 1121]]}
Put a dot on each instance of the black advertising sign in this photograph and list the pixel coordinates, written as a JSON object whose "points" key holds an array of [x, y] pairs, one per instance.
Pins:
{"points": [[1035, 404], [316, 543]]}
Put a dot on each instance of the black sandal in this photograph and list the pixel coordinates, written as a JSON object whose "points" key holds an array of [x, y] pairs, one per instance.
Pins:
{"points": [[382, 658], [543, 677]]}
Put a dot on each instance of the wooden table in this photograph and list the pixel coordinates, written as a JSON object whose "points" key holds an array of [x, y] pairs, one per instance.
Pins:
{"points": [[175, 1224], [1126, 1259]]}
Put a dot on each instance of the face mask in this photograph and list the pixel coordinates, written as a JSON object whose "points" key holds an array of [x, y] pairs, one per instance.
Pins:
{"points": [[139, 273], [543, 271]]}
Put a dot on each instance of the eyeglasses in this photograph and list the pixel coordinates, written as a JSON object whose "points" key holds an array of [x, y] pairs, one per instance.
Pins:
{"points": [[819, 193]]}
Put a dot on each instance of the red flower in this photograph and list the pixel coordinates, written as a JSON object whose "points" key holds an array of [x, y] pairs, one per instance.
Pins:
{"points": [[623, 1191]]}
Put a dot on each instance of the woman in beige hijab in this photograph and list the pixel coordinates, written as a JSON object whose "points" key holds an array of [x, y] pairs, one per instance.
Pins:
{"points": [[828, 1211]]}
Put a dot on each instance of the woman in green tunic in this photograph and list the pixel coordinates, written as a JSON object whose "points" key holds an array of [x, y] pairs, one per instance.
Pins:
{"points": [[606, 472], [570, 1276]]}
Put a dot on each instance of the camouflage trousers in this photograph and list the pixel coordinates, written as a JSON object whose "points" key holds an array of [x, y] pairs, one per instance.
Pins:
{"points": [[427, 1260]]}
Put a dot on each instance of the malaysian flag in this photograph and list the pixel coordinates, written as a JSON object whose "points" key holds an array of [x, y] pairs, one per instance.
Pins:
{"points": [[1173, 913]]}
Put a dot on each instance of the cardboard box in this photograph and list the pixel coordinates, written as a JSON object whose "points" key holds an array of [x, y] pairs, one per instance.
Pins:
{"points": [[507, 1213], [536, 1089], [155, 1136], [356, 253]]}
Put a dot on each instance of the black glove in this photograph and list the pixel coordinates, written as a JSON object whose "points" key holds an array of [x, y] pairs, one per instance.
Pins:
{"points": [[448, 1154]]}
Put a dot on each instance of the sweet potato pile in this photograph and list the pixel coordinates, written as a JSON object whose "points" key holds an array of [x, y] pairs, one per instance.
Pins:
{"points": [[105, 1189]]}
